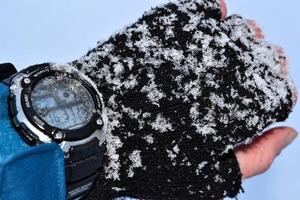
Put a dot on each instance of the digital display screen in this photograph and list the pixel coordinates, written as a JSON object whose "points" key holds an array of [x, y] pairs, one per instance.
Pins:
{"points": [[62, 102]]}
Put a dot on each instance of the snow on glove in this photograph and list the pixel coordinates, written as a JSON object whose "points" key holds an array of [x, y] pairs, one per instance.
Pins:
{"points": [[182, 89]]}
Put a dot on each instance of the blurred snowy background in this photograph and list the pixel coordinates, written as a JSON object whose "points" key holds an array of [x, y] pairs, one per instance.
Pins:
{"points": [[35, 31]]}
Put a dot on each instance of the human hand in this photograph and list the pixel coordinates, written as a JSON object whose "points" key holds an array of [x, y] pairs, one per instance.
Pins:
{"points": [[232, 66], [257, 157]]}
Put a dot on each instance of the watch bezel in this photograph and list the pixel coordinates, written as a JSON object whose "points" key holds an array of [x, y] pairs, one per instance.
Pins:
{"points": [[37, 73]]}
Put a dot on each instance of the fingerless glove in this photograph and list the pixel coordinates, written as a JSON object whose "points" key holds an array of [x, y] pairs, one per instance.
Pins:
{"points": [[182, 89]]}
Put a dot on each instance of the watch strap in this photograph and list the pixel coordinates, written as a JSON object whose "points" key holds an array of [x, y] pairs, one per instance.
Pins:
{"points": [[82, 164], [6, 70]]}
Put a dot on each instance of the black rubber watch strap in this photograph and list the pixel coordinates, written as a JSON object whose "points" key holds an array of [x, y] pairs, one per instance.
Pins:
{"points": [[81, 188], [6, 70], [82, 165]]}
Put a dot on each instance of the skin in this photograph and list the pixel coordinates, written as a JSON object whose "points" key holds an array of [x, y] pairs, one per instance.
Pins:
{"points": [[257, 157]]}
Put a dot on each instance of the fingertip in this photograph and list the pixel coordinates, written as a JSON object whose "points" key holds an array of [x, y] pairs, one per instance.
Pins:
{"points": [[279, 138], [224, 10], [283, 130], [294, 93], [290, 138], [283, 61], [259, 35]]}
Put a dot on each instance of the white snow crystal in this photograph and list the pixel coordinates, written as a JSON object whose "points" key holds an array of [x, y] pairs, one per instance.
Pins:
{"points": [[153, 94], [118, 68], [136, 160], [161, 124], [149, 138], [176, 149]]}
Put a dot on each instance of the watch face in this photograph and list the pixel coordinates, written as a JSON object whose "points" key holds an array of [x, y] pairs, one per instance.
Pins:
{"points": [[62, 102]]}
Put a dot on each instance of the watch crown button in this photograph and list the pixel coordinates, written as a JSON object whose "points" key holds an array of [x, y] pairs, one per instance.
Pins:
{"points": [[27, 80], [58, 135]]}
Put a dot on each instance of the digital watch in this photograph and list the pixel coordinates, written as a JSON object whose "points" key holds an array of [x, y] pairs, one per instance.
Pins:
{"points": [[56, 103]]}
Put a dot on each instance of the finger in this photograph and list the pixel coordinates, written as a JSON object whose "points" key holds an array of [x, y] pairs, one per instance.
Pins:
{"points": [[257, 157], [282, 59], [223, 7], [294, 93], [258, 31], [284, 70]]}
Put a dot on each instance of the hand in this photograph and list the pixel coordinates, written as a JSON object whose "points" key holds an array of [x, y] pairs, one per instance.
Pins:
{"points": [[257, 157]]}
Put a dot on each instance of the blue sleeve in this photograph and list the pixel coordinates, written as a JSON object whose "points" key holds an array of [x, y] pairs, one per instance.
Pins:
{"points": [[27, 173]]}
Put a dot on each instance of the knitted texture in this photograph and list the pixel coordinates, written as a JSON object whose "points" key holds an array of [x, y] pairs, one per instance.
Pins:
{"points": [[182, 89]]}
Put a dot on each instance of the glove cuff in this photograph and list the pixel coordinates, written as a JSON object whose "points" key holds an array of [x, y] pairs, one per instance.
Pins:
{"points": [[208, 177]]}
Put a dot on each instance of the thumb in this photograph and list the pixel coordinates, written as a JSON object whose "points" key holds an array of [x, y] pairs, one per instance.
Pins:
{"points": [[257, 157]]}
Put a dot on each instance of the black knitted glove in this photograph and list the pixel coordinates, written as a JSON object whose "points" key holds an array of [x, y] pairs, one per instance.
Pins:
{"points": [[182, 89]]}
